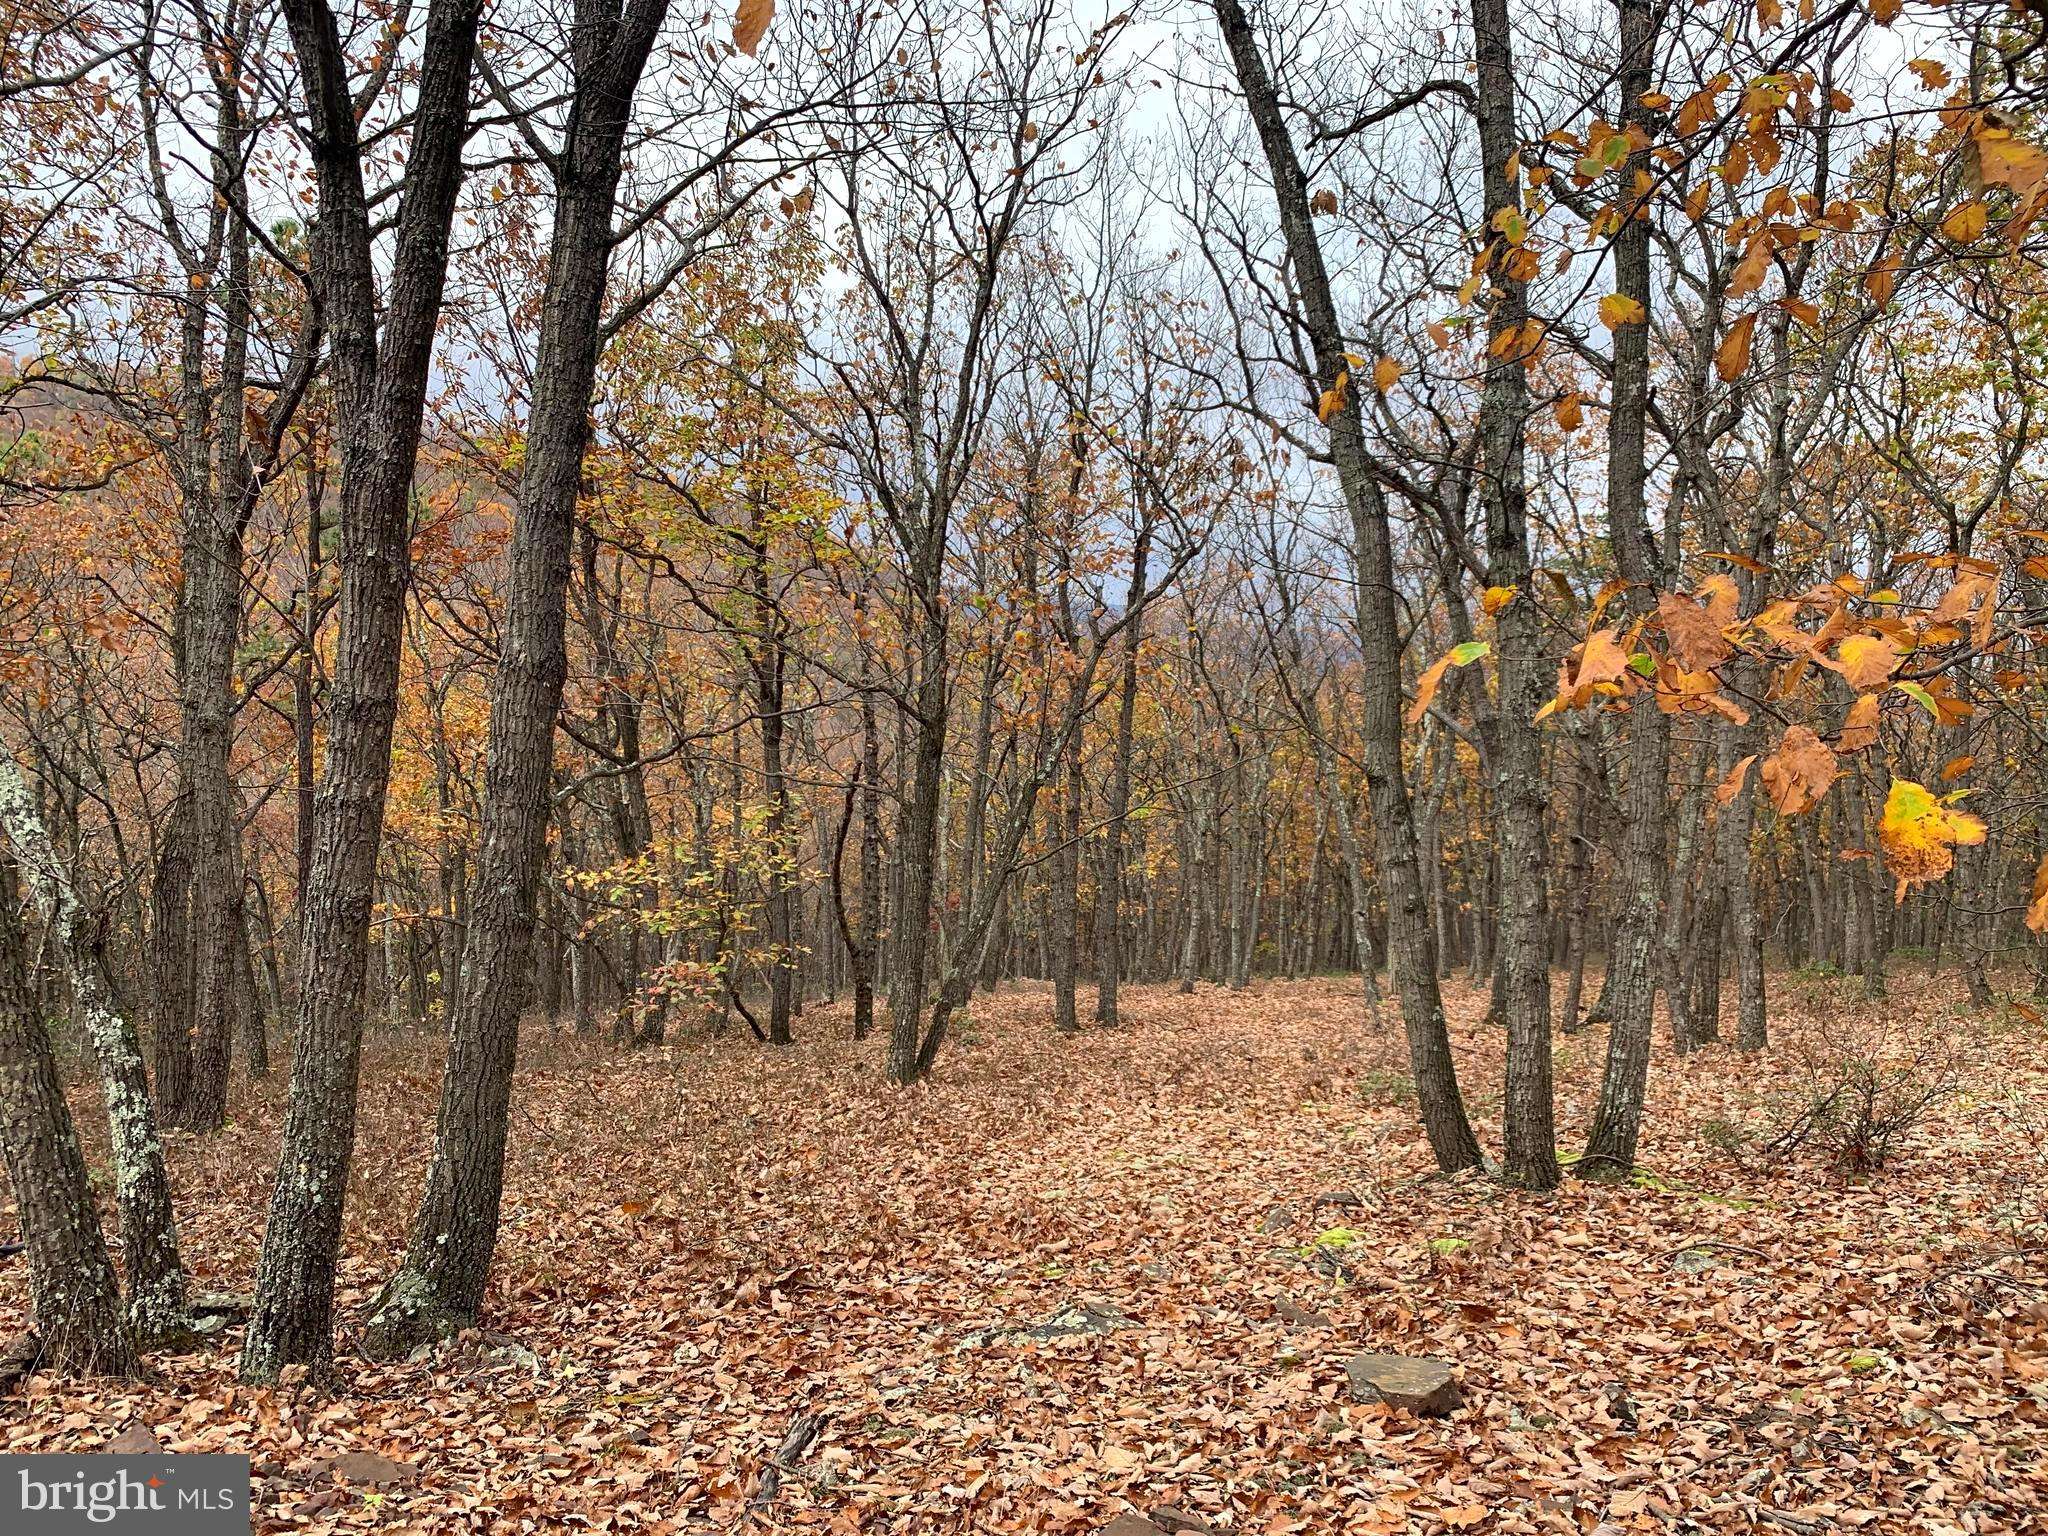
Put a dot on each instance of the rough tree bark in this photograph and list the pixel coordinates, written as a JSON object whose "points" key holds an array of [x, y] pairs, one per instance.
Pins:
{"points": [[379, 385], [1519, 795], [441, 1281], [1410, 942], [142, 1189], [74, 1296], [1632, 983]]}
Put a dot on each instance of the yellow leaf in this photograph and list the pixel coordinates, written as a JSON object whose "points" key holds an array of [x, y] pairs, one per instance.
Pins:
{"points": [[1495, 599], [1920, 835], [1385, 374], [2037, 909], [1569, 412], [1618, 309], [1865, 661], [1967, 223]]}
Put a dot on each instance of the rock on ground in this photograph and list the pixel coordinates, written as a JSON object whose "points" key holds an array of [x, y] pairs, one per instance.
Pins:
{"points": [[1419, 1386]]}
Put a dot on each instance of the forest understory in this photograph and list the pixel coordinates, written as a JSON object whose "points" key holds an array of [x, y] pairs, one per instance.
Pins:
{"points": [[765, 1286]]}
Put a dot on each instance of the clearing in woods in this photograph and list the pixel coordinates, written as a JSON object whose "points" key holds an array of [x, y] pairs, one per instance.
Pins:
{"points": [[1206, 1214]]}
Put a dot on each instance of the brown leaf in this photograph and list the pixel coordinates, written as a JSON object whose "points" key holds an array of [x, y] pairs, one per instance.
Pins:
{"points": [[1731, 785], [750, 25], [1799, 772], [1695, 639], [1859, 726], [1731, 358]]}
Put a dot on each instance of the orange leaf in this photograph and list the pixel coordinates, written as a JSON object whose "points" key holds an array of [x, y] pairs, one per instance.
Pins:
{"points": [[1332, 399], [1432, 678], [1731, 358], [750, 25], [1799, 772], [1731, 786]]}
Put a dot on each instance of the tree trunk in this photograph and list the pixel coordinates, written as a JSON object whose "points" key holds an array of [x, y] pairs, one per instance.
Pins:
{"points": [[1109, 899], [142, 1189], [1411, 946], [441, 1282], [1519, 793], [170, 900], [74, 1296], [213, 624], [921, 832], [1632, 982], [379, 384]]}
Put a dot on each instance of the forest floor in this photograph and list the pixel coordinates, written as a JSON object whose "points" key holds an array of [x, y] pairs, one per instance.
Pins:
{"points": [[707, 1241]]}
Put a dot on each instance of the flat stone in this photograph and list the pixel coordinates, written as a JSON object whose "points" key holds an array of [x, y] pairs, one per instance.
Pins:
{"points": [[135, 1440], [1077, 1320], [1412, 1385], [1128, 1524], [221, 1304], [1182, 1522], [1295, 1315], [368, 1467]]}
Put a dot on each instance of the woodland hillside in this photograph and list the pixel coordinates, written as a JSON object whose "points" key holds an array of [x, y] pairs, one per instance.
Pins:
{"points": [[970, 764]]}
